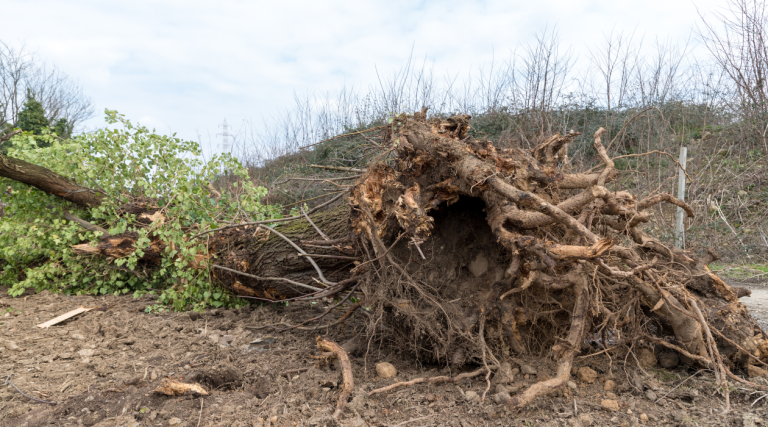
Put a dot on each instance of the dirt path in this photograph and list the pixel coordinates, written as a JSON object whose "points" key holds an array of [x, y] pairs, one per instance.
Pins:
{"points": [[102, 366], [757, 303]]}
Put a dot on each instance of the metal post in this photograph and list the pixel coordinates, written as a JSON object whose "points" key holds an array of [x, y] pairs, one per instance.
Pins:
{"points": [[679, 230]]}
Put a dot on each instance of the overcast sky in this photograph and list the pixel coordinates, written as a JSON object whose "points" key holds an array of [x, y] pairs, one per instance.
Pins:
{"points": [[184, 66]]}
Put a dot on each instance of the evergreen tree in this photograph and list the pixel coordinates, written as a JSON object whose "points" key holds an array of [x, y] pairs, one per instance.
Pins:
{"points": [[32, 116]]}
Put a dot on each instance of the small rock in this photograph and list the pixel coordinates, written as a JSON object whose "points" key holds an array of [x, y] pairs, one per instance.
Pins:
{"points": [[7, 315], [86, 352], [273, 420], [572, 385], [501, 398], [754, 371], [669, 360], [353, 345], [643, 418], [471, 395], [637, 381], [78, 336], [586, 419], [505, 374], [479, 265], [226, 340], [501, 388], [610, 395], [647, 358], [174, 422], [527, 369], [385, 370], [609, 404], [587, 375], [651, 395], [609, 385], [11, 345], [153, 375]]}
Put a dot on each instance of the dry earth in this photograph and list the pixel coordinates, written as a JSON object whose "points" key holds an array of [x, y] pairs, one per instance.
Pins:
{"points": [[103, 365]]}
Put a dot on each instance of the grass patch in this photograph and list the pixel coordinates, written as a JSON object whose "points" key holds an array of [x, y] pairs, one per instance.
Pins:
{"points": [[741, 271]]}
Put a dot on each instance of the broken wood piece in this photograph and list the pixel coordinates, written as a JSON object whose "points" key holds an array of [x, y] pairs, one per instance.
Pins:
{"points": [[63, 317], [346, 372], [176, 388]]}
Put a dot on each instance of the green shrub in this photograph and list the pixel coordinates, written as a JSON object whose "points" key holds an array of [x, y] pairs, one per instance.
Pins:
{"points": [[127, 163]]}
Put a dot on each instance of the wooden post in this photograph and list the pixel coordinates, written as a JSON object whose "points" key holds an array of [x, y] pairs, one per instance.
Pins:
{"points": [[679, 230]]}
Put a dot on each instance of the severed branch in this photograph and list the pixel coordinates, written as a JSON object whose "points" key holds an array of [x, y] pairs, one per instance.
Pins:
{"points": [[270, 221], [9, 136], [309, 258], [339, 168], [86, 225], [278, 279], [343, 178], [346, 371]]}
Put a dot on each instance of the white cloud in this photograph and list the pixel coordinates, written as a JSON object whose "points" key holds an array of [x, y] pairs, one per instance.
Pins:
{"points": [[188, 64]]}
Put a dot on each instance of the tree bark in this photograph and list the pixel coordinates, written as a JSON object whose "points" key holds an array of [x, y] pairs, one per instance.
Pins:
{"points": [[264, 254], [48, 181]]}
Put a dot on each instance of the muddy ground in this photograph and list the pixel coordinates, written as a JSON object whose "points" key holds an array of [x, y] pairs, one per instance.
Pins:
{"points": [[102, 366]]}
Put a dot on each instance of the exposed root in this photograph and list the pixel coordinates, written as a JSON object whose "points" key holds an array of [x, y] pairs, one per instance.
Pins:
{"points": [[440, 379], [721, 373], [348, 383], [567, 351]]}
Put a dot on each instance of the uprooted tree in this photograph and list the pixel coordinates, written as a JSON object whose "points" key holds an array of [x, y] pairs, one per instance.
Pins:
{"points": [[471, 254]]}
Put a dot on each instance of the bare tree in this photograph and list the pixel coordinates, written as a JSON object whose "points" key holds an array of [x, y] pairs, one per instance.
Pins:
{"points": [[22, 73], [737, 38]]}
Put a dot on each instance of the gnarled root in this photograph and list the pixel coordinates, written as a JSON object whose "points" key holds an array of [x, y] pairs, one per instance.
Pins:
{"points": [[566, 350], [346, 371]]}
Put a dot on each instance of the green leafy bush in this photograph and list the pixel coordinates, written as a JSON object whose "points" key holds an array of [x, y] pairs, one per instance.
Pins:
{"points": [[127, 163]]}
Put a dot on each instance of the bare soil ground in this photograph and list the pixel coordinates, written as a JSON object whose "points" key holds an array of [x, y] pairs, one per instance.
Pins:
{"points": [[103, 365]]}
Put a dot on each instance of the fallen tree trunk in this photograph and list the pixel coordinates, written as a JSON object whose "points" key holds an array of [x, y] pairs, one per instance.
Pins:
{"points": [[48, 181], [472, 253]]}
